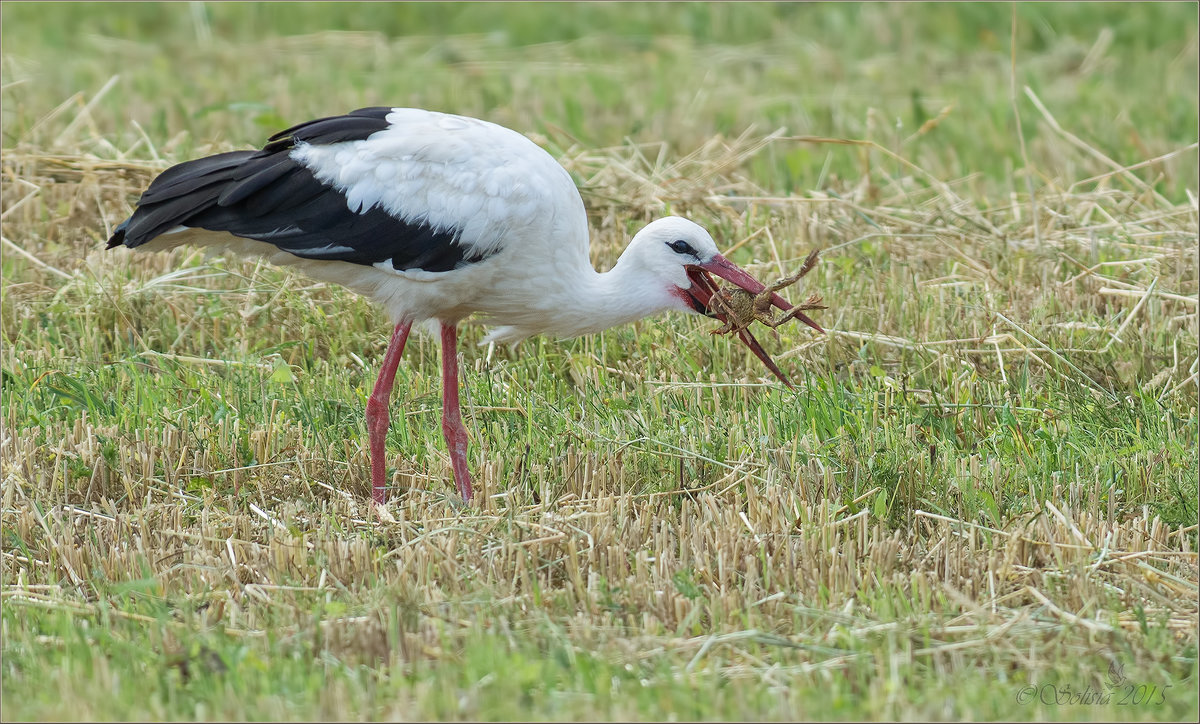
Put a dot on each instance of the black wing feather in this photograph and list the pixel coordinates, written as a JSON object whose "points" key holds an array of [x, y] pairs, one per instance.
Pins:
{"points": [[187, 177], [261, 178], [267, 196], [354, 126]]}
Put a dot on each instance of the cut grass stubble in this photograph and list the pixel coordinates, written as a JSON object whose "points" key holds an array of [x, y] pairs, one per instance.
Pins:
{"points": [[986, 480]]}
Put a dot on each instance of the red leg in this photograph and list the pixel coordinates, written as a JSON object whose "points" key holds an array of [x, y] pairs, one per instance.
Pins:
{"points": [[378, 418], [452, 424]]}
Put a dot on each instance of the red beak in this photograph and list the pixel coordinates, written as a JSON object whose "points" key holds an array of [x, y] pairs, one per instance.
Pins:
{"points": [[702, 291]]}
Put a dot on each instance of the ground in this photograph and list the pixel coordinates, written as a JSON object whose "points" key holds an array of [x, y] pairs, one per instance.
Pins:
{"points": [[979, 502]]}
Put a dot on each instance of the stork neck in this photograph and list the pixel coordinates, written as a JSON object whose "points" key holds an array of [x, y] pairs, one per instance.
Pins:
{"points": [[625, 293], [574, 299]]}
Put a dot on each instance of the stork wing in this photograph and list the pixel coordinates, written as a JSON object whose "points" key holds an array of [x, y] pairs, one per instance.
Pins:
{"points": [[399, 188]]}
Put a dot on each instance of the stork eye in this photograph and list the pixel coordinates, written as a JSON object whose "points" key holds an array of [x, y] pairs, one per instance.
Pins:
{"points": [[679, 246]]}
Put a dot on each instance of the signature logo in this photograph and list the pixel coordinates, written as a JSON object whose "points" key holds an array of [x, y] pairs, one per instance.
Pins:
{"points": [[1119, 691], [1116, 674]]}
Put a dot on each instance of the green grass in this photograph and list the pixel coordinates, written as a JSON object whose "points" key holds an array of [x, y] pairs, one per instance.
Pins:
{"points": [[600, 73], [494, 677], [985, 484]]}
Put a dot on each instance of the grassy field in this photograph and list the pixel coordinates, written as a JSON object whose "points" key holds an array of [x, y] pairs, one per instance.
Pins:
{"points": [[980, 502]]}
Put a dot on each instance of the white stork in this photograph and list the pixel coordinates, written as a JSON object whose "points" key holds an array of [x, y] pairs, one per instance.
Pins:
{"points": [[436, 217]]}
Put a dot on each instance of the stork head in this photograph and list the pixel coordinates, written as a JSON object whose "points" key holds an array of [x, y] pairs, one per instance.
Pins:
{"points": [[685, 255]]}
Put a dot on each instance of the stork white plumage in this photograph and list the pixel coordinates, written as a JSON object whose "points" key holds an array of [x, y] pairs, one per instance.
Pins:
{"points": [[434, 216]]}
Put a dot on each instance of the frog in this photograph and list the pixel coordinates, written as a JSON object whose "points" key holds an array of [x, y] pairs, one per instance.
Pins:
{"points": [[742, 308]]}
